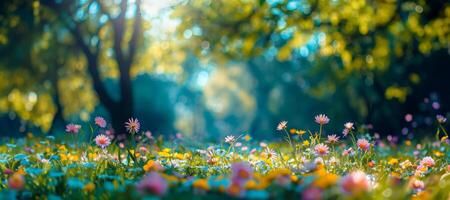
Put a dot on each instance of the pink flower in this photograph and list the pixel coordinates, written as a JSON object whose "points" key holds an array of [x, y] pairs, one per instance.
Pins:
{"points": [[355, 183], [282, 125], [132, 125], [348, 125], [322, 119], [152, 183], [241, 172], [347, 152], [73, 128], [363, 144], [417, 185], [312, 194], [427, 161], [99, 121], [8, 171], [16, 182], [333, 138], [102, 141], [321, 149]]}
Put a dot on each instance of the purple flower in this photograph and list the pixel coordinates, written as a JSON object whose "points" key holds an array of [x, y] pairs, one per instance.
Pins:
{"points": [[152, 183]]}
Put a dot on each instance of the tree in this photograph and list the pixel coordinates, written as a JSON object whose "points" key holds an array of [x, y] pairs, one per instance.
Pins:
{"points": [[86, 28], [359, 45]]}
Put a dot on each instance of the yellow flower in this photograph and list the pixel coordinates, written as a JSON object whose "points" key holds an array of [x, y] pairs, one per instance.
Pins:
{"points": [[325, 179], [178, 156], [164, 154], [305, 143], [294, 178], [408, 142], [89, 187], [438, 153], [62, 148], [247, 137], [300, 132], [201, 184], [152, 165], [393, 161]]}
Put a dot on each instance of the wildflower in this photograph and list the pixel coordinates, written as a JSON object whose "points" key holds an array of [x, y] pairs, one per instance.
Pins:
{"points": [[132, 125], [16, 181], [300, 132], [441, 119], [305, 143], [89, 187], [348, 125], [247, 137], [405, 164], [393, 161], [100, 121], [312, 193], [263, 144], [427, 161], [271, 153], [73, 128], [8, 171], [363, 144], [355, 183], [333, 138], [201, 184], [152, 165], [102, 141], [153, 183], [321, 149], [282, 125], [420, 170], [371, 164], [322, 119], [417, 185], [240, 172], [230, 139], [347, 128]]}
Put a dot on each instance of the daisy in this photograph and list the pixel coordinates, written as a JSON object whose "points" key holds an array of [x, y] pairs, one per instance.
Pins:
{"points": [[322, 119], [132, 125], [363, 144], [333, 138], [321, 149], [73, 128], [100, 121], [349, 125], [230, 139], [271, 153], [282, 125], [102, 141]]}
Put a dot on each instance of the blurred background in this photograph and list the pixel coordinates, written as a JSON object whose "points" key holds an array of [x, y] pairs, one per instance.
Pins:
{"points": [[209, 68]]}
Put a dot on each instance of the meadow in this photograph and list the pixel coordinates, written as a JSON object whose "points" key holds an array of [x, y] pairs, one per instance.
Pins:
{"points": [[90, 163]]}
